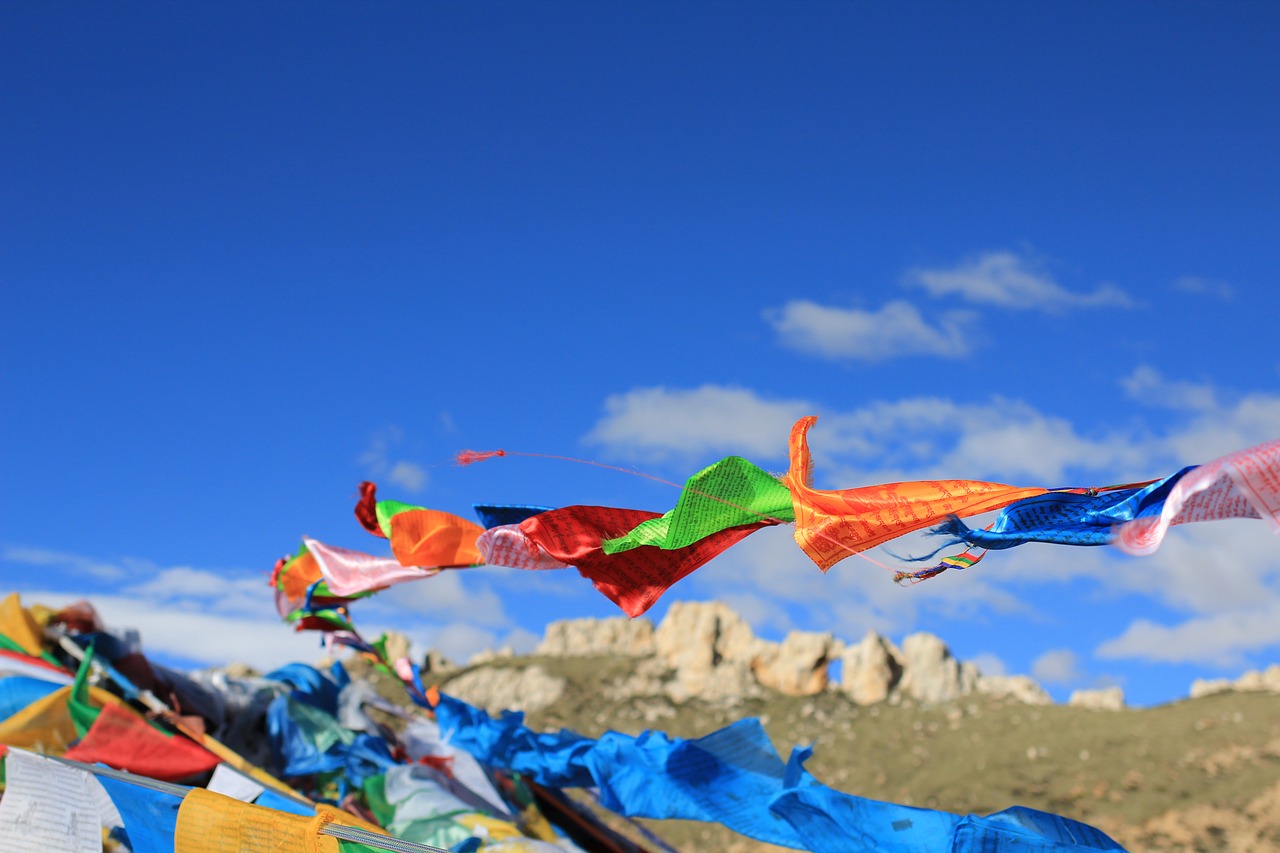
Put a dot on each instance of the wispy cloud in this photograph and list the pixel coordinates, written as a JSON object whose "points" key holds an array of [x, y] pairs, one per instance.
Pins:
{"points": [[196, 616], [460, 641], [1009, 280], [1057, 666], [381, 461], [1148, 386], [660, 423], [1221, 639], [171, 631], [914, 438], [897, 329], [1206, 287], [70, 563]]}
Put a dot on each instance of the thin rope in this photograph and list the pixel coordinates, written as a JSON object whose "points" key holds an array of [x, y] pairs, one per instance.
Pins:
{"points": [[470, 457]]}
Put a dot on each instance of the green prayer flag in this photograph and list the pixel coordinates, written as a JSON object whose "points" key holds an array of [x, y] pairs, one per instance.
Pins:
{"points": [[82, 713], [731, 493]]}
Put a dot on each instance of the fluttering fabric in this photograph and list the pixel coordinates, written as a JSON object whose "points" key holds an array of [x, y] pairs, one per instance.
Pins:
{"points": [[46, 724], [496, 515], [348, 572], [832, 525], [212, 823], [19, 691], [1077, 517], [121, 739], [1244, 484], [302, 591], [150, 817], [632, 579], [48, 806], [508, 545], [419, 537], [735, 777], [731, 493], [17, 626], [21, 663]]}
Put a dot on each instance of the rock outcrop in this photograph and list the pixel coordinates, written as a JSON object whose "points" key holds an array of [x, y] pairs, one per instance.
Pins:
{"points": [[705, 651], [931, 673], [495, 689], [1021, 688], [1104, 699], [798, 665], [870, 670], [631, 638], [710, 649], [1253, 681]]}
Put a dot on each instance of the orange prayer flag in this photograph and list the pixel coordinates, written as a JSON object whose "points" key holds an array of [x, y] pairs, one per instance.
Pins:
{"points": [[832, 525], [432, 538], [213, 823]]}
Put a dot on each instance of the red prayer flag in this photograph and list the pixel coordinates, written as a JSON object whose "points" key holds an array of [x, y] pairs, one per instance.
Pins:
{"points": [[125, 741], [633, 579]]}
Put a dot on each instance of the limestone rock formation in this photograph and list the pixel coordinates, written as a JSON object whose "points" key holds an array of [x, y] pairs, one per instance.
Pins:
{"points": [[710, 648], [585, 637], [798, 665], [871, 669], [489, 655], [931, 673], [529, 688], [1253, 681], [436, 663], [1021, 688], [1105, 699]]}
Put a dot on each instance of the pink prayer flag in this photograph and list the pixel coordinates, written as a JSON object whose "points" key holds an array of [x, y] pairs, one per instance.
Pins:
{"points": [[508, 545], [1244, 484], [349, 572]]}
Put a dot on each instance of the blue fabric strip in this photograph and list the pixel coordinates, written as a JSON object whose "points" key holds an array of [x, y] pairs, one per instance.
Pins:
{"points": [[1064, 518], [735, 777]]}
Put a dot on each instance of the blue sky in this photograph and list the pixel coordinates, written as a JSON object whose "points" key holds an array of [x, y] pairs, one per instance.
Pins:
{"points": [[255, 253]]}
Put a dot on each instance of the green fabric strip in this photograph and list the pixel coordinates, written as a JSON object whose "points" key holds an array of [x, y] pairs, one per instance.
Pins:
{"points": [[386, 509], [82, 713], [375, 794], [730, 493]]}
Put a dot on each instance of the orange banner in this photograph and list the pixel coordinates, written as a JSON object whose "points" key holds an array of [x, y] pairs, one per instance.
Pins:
{"points": [[832, 525]]}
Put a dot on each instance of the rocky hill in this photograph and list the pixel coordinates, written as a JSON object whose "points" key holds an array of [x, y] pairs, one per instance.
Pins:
{"points": [[909, 723]]}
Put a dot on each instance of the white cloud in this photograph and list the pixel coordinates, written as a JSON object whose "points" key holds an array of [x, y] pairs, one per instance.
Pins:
{"points": [[855, 596], [260, 640], [1148, 386], [1010, 281], [1057, 666], [461, 641], [656, 423], [989, 664], [1205, 287], [380, 461], [408, 476], [914, 438], [897, 329], [183, 587], [73, 563], [448, 594], [1220, 639]]}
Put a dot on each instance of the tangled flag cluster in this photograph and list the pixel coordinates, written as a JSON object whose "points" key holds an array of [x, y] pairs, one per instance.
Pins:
{"points": [[633, 556], [149, 760]]}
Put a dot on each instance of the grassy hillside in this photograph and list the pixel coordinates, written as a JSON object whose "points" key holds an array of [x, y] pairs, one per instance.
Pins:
{"points": [[1199, 774]]}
